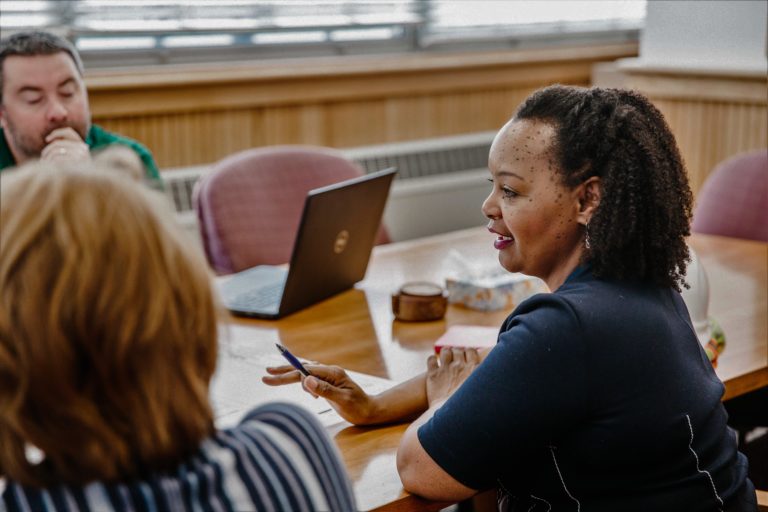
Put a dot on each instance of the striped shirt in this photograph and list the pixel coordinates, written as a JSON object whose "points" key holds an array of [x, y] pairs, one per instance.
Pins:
{"points": [[279, 458]]}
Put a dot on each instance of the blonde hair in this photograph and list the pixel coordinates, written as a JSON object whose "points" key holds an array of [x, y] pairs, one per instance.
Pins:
{"points": [[107, 329], [121, 159]]}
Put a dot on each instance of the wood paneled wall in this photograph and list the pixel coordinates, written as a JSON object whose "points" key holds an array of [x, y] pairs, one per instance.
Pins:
{"points": [[197, 115], [713, 115]]}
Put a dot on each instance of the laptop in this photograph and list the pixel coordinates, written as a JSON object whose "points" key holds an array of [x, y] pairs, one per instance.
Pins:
{"points": [[336, 234]]}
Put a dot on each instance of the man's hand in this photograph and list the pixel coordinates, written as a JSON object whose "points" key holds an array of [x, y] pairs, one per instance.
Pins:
{"points": [[446, 373], [65, 145]]}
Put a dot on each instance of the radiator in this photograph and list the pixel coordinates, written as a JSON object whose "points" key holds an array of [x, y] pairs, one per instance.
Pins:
{"points": [[440, 184]]}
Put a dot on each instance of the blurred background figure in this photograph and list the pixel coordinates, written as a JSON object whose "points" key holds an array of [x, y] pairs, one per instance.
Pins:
{"points": [[44, 108]]}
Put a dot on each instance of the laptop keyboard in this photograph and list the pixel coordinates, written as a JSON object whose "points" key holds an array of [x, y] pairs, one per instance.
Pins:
{"points": [[262, 297]]}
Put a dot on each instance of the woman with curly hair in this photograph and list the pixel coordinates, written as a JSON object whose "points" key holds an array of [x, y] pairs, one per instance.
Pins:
{"points": [[108, 341], [598, 395]]}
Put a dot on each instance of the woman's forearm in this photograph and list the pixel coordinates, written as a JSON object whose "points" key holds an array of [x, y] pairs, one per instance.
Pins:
{"points": [[404, 402]]}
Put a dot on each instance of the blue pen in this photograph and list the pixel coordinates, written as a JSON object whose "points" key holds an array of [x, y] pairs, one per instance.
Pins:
{"points": [[292, 359]]}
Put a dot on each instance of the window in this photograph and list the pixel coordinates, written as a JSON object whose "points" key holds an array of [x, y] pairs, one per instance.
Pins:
{"points": [[144, 31]]}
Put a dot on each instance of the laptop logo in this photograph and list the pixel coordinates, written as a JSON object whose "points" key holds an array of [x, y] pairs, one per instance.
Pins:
{"points": [[341, 241]]}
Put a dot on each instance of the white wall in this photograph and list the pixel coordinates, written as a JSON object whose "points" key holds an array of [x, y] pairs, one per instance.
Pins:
{"points": [[705, 34], [420, 207]]}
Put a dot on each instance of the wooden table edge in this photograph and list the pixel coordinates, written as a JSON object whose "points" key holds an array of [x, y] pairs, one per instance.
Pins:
{"points": [[746, 383]]}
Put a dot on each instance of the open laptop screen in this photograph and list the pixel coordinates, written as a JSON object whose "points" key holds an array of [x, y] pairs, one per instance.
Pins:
{"points": [[336, 235]]}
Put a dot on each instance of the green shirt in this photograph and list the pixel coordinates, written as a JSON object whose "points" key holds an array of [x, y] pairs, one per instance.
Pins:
{"points": [[98, 138]]}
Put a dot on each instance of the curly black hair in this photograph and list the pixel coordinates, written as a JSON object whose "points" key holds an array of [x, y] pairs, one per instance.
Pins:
{"points": [[638, 230]]}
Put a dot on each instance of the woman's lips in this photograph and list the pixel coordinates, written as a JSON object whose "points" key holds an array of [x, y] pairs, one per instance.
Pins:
{"points": [[503, 241]]}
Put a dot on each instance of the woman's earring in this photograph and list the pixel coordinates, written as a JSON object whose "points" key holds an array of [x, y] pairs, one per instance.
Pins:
{"points": [[586, 236], [33, 454]]}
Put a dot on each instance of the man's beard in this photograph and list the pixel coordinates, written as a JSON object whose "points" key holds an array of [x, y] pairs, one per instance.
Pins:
{"points": [[30, 146]]}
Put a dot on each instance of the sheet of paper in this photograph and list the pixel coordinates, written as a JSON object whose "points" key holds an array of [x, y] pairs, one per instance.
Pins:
{"points": [[237, 388], [473, 336]]}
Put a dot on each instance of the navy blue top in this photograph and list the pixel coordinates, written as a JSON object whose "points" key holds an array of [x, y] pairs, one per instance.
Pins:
{"points": [[597, 397]]}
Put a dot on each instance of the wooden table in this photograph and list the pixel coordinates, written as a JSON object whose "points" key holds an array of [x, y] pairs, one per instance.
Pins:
{"points": [[738, 290], [356, 330]]}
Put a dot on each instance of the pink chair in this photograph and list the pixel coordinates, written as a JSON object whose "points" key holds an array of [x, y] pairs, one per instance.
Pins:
{"points": [[734, 199], [249, 207]]}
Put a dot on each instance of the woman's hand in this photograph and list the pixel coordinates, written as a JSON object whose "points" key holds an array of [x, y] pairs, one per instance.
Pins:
{"points": [[332, 383], [446, 372]]}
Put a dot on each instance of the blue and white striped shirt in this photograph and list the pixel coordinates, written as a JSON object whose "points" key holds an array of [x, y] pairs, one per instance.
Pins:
{"points": [[278, 459]]}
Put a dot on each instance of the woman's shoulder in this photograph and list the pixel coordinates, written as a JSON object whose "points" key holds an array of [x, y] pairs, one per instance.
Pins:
{"points": [[565, 299], [279, 424], [544, 314], [582, 295], [588, 291], [283, 457], [279, 413]]}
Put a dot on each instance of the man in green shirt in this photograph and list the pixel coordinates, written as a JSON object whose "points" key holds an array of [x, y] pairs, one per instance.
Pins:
{"points": [[44, 111]]}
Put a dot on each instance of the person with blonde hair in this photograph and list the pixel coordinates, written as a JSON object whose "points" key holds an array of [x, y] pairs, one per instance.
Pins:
{"points": [[121, 159], [108, 341]]}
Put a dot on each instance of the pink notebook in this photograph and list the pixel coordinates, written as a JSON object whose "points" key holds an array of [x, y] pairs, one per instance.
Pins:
{"points": [[467, 336]]}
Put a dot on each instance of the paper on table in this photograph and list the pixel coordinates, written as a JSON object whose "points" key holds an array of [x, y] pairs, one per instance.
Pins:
{"points": [[237, 388]]}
